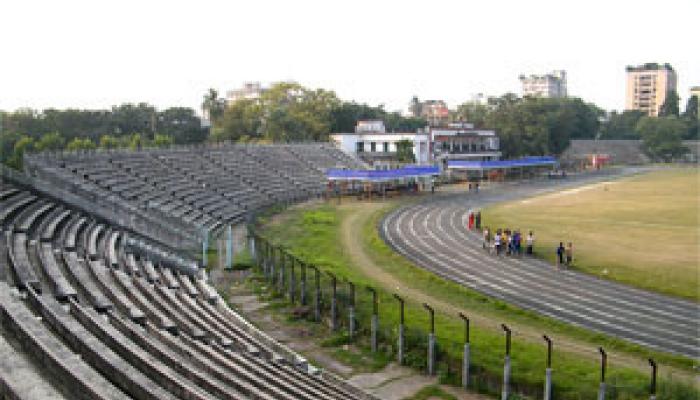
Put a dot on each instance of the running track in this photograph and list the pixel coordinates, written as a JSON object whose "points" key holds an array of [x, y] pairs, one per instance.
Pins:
{"points": [[433, 235]]}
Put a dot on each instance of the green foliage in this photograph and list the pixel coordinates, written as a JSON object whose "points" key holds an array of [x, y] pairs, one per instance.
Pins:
{"points": [[621, 125], [691, 118], [662, 137], [162, 140], [313, 235], [109, 142], [23, 145], [50, 142], [404, 151], [670, 108], [213, 105], [533, 125], [80, 144]]}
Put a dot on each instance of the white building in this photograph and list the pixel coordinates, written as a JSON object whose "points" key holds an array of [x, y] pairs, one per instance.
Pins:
{"points": [[548, 85], [460, 141], [249, 91], [373, 144]]}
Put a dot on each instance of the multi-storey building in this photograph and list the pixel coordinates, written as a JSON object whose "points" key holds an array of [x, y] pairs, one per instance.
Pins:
{"points": [[695, 91], [433, 111], [461, 141], [548, 85], [250, 91], [647, 87]]}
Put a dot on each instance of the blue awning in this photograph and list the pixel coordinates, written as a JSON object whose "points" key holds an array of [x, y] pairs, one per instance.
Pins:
{"points": [[382, 174], [484, 165]]}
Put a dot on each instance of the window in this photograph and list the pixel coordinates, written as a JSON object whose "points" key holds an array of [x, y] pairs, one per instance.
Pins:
{"points": [[360, 147], [386, 147], [373, 146]]}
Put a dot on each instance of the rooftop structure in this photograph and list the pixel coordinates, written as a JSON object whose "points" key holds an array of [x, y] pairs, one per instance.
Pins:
{"points": [[552, 84]]}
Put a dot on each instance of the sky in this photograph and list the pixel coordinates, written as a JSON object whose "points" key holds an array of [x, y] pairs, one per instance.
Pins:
{"points": [[95, 54]]}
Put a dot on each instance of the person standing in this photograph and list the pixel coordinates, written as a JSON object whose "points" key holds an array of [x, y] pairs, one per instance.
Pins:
{"points": [[497, 242], [487, 239], [560, 254], [530, 242], [569, 254], [516, 242], [477, 220]]}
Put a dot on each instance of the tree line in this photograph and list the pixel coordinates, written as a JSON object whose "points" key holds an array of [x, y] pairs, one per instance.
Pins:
{"points": [[290, 112]]}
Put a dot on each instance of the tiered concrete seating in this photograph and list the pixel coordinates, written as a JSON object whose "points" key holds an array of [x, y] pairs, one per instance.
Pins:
{"points": [[114, 325], [203, 187]]}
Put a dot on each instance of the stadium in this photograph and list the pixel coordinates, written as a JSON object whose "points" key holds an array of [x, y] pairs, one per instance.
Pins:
{"points": [[107, 288]]}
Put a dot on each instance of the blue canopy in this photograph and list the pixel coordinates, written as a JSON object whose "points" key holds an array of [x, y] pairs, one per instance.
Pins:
{"points": [[381, 174], [520, 162]]}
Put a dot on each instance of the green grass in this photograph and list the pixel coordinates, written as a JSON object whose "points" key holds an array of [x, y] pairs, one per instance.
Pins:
{"points": [[641, 231], [314, 236]]}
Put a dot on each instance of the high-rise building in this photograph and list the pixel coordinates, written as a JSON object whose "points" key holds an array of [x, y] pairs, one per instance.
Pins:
{"points": [[647, 87], [548, 85]]}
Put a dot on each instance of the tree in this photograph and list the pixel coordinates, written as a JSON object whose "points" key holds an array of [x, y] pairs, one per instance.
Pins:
{"points": [[8, 139], [50, 142], [241, 119], [690, 115], [621, 125], [670, 108], [404, 151], [109, 142], [661, 137], [182, 125], [162, 140], [471, 112], [23, 145], [128, 119], [80, 144]]}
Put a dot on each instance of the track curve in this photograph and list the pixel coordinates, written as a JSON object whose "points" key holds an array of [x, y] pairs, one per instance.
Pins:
{"points": [[432, 234]]}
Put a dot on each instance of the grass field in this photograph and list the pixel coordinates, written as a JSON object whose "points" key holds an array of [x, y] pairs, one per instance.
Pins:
{"points": [[344, 240], [642, 230]]}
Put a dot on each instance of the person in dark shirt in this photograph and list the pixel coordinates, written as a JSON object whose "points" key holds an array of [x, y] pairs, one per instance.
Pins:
{"points": [[560, 254]]}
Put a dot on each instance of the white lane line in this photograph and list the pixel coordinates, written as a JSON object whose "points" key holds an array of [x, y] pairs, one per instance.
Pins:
{"points": [[437, 260]]}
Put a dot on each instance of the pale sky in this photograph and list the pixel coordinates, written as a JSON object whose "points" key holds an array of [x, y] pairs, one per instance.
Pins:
{"points": [[94, 54]]}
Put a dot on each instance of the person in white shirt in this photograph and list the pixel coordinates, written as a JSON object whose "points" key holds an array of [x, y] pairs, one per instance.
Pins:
{"points": [[530, 242]]}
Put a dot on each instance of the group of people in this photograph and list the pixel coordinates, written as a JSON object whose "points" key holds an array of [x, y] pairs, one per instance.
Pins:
{"points": [[505, 241], [510, 243]]}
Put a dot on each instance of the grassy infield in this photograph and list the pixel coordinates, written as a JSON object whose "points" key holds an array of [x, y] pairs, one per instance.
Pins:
{"points": [[313, 235]]}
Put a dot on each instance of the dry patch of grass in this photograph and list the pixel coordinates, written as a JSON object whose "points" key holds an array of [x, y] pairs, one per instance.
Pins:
{"points": [[642, 231]]}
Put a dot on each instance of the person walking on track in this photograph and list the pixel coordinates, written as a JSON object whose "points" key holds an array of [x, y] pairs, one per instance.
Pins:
{"points": [[560, 254], [569, 254]]}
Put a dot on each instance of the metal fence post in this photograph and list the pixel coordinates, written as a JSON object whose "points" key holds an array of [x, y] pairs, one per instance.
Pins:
{"points": [[292, 280], [652, 387], [431, 340], [506, 365], [603, 363], [303, 282], [334, 301], [467, 353], [548, 371], [374, 325], [351, 311], [401, 329]]}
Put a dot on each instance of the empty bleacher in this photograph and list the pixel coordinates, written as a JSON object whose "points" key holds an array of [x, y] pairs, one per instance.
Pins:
{"points": [[203, 187], [87, 314]]}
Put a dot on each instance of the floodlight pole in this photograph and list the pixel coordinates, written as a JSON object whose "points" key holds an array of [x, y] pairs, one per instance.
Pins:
{"points": [[466, 352], [506, 365], [375, 319], [548, 371], [431, 340], [401, 328]]}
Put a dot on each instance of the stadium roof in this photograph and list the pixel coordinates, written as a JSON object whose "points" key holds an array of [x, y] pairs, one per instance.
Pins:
{"points": [[381, 175], [484, 165]]}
